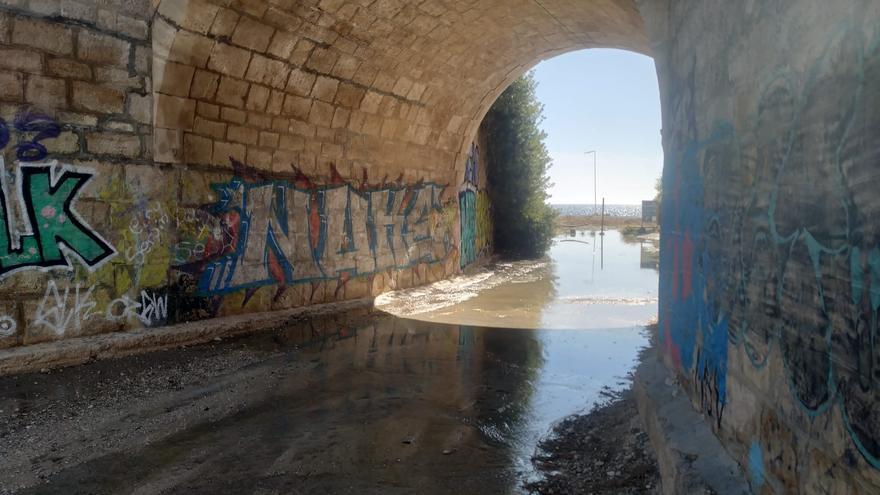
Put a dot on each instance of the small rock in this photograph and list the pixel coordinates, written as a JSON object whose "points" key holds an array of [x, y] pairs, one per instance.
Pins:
{"points": [[448, 451]]}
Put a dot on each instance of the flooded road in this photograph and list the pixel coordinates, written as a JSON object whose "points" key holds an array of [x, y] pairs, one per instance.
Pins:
{"points": [[446, 400], [588, 282], [585, 306]]}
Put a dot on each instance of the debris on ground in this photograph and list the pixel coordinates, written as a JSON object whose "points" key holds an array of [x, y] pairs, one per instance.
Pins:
{"points": [[603, 452]]}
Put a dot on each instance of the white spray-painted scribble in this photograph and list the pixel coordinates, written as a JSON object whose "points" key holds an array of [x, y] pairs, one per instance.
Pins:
{"points": [[8, 326], [151, 309], [64, 311]]}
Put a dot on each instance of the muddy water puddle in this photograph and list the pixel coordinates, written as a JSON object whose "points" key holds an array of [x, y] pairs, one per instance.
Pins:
{"points": [[587, 281], [451, 396], [584, 309]]}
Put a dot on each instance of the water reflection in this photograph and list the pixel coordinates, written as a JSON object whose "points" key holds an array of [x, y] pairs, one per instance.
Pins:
{"points": [[382, 404], [593, 284], [650, 255], [587, 308], [388, 406], [600, 286]]}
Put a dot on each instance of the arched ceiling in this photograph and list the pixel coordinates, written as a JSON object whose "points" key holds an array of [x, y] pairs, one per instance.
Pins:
{"points": [[390, 86]]}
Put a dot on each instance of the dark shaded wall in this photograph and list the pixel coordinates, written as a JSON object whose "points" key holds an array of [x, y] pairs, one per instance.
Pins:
{"points": [[770, 256], [474, 204]]}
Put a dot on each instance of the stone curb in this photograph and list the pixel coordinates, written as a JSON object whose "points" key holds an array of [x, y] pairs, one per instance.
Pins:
{"points": [[690, 457], [32, 358]]}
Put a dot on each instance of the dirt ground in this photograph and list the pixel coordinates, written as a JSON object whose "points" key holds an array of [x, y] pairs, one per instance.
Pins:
{"points": [[603, 452], [581, 221], [627, 225]]}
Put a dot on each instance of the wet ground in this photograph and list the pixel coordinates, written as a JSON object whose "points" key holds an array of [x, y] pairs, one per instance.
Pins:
{"points": [[446, 400], [606, 451]]}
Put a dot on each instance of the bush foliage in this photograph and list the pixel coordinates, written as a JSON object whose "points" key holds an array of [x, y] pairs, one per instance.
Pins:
{"points": [[518, 165]]}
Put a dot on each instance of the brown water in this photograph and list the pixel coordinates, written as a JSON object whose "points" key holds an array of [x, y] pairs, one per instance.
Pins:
{"points": [[586, 307], [453, 399], [587, 282]]}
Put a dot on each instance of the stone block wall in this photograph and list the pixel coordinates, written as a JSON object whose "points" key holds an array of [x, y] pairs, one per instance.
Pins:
{"points": [[176, 160], [165, 162], [75, 118], [475, 205], [769, 257]]}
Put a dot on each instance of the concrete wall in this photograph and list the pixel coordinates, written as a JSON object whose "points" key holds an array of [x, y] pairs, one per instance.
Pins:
{"points": [[770, 262]]}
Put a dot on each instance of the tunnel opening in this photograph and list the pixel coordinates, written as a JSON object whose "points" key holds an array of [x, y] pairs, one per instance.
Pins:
{"points": [[571, 323], [607, 99], [346, 166]]}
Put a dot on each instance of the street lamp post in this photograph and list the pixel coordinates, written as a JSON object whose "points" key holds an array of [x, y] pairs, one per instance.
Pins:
{"points": [[595, 188]]}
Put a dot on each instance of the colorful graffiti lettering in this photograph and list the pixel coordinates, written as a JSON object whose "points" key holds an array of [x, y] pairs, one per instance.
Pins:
{"points": [[795, 268], [52, 232], [467, 204], [289, 231], [36, 124], [472, 166], [475, 219], [42, 229], [693, 322]]}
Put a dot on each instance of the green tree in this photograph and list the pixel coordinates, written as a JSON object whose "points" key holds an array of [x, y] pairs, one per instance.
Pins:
{"points": [[518, 165]]}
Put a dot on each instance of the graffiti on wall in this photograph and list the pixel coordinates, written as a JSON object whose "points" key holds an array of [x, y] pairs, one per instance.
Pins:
{"points": [[71, 308], [8, 326], [65, 310], [472, 166], [150, 310], [289, 231], [474, 210], [794, 267], [176, 262], [484, 223], [467, 205], [41, 226], [693, 322]]}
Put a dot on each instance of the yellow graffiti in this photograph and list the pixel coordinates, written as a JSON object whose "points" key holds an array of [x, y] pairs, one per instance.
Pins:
{"points": [[484, 223], [140, 229]]}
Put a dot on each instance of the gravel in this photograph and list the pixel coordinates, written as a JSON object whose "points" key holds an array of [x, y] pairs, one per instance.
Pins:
{"points": [[604, 451]]}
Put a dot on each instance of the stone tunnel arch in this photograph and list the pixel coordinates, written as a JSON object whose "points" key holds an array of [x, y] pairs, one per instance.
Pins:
{"points": [[341, 90], [769, 135], [401, 83], [374, 95]]}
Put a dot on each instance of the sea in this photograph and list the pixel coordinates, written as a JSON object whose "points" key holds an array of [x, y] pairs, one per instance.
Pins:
{"points": [[625, 211]]}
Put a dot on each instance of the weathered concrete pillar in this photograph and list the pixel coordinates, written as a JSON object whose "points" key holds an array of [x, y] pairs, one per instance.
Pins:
{"points": [[769, 255]]}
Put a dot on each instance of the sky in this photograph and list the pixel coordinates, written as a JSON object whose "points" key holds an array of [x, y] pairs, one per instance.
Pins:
{"points": [[604, 100]]}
